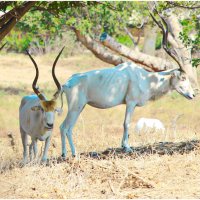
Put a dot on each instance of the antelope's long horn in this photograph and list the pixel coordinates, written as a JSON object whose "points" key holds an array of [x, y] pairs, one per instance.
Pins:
{"points": [[165, 36], [35, 89], [55, 96]]}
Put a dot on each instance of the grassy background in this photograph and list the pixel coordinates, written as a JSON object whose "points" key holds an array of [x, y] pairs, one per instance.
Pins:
{"points": [[171, 176]]}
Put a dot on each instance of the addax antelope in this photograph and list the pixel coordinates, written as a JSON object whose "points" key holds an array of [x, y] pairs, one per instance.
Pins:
{"points": [[37, 114], [126, 84]]}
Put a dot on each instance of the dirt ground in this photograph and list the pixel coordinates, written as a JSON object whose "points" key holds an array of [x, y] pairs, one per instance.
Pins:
{"points": [[161, 165]]}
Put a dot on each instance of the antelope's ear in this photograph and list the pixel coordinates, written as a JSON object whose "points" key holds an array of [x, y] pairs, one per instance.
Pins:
{"points": [[36, 108], [176, 73], [59, 111]]}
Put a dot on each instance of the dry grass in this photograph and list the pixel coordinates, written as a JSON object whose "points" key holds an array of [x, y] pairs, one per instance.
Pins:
{"points": [[162, 166]]}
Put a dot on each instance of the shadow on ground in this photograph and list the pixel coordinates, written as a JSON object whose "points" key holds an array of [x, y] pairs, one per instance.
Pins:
{"points": [[13, 91], [160, 148]]}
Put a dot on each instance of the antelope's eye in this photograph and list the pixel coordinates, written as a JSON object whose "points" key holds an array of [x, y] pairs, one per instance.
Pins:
{"points": [[183, 78]]}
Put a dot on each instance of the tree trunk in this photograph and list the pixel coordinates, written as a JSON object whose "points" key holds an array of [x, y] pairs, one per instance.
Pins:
{"points": [[184, 54], [8, 20], [150, 34]]}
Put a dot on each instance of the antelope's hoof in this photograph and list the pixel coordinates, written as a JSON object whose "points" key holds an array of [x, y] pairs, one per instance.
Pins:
{"points": [[127, 150], [44, 161], [23, 163], [63, 156]]}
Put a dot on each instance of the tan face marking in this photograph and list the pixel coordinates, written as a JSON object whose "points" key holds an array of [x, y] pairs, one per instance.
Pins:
{"points": [[48, 106]]}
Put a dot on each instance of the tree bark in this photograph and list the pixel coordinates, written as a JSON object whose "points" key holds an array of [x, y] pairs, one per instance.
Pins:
{"points": [[98, 50], [184, 54], [152, 62], [150, 34], [9, 20]]}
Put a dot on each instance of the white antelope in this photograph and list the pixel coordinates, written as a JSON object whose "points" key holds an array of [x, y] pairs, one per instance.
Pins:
{"points": [[126, 84], [37, 115], [149, 125]]}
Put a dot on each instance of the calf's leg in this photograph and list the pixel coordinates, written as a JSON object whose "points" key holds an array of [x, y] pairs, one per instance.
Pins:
{"points": [[31, 151], [46, 148], [24, 137], [35, 149]]}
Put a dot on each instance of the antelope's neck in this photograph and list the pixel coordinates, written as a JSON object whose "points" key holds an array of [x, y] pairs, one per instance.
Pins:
{"points": [[159, 85]]}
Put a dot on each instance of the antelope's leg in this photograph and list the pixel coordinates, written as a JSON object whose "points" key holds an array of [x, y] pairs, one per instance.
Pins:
{"points": [[63, 139], [31, 150], [129, 112], [35, 149], [24, 137], [46, 148], [75, 106], [66, 130]]}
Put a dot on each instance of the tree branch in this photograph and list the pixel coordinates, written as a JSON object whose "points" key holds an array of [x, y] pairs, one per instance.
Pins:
{"points": [[155, 63], [4, 4], [98, 50], [182, 6], [8, 15], [51, 11], [182, 53], [131, 36], [19, 13], [111, 7]]}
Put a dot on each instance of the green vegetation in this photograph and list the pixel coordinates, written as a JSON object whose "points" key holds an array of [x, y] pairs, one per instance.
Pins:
{"points": [[46, 23], [124, 39], [190, 25], [158, 41]]}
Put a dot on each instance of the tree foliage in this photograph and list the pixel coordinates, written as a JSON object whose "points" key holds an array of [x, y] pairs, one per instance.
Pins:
{"points": [[50, 19]]}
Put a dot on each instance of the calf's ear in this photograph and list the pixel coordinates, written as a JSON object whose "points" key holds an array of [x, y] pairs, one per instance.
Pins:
{"points": [[59, 111], [36, 108]]}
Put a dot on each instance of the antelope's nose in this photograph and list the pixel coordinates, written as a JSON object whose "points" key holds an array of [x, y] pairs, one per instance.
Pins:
{"points": [[50, 125]]}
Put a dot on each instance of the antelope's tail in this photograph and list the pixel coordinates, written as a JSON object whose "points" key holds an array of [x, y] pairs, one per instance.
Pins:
{"points": [[60, 110]]}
